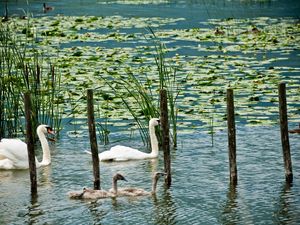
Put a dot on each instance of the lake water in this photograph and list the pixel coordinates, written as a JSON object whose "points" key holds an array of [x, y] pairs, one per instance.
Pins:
{"points": [[200, 191]]}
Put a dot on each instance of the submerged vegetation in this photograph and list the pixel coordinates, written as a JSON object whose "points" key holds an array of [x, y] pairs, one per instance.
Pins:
{"points": [[114, 56]]}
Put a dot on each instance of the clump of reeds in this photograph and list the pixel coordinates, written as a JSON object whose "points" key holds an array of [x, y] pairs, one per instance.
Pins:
{"points": [[141, 97], [22, 69], [168, 81]]}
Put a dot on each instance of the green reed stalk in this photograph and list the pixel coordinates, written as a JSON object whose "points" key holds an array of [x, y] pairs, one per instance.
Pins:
{"points": [[167, 80], [137, 101], [21, 71]]}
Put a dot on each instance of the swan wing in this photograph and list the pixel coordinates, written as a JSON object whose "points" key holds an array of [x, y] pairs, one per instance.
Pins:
{"points": [[124, 153], [13, 154]]}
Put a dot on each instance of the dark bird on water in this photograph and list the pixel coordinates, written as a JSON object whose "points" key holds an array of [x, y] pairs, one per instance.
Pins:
{"points": [[47, 8], [295, 131]]}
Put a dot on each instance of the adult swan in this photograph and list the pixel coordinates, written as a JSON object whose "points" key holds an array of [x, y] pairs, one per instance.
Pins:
{"points": [[123, 153], [14, 155]]}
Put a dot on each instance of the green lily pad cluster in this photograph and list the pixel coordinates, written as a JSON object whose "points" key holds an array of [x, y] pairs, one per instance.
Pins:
{"points": [[252, 56]]}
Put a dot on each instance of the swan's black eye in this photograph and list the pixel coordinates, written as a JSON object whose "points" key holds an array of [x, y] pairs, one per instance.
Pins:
{"points": [[49, 129]]}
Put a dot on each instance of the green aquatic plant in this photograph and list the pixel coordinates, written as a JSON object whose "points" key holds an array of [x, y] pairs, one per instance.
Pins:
{"points": [[22, 69], [137, 97], [169, 81]]}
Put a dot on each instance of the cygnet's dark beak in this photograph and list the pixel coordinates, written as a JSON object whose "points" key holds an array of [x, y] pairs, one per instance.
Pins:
{"points": [[161, 174]]}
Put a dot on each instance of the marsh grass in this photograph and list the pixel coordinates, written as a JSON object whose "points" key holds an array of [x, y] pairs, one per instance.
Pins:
{"points": [[138, 99], [103, 127], [22, 69], [140, 95], [168, 81]]}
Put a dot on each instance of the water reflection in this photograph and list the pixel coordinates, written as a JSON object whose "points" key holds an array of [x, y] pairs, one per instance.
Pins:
{"points": [[44, 175], [164, 209], [34, 211], [230, 210], [283, 214], [96, 212]]}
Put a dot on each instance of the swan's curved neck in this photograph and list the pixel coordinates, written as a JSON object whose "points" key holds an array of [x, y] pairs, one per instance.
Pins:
{"points": [[45, 147], [153, 141]]}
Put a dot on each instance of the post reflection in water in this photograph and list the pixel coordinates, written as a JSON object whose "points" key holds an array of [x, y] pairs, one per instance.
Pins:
{"points": [[230, 209], [34, 211], [283, 208], [164, 208]]}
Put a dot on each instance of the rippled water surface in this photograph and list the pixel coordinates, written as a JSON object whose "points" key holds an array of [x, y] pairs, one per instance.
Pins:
{"points": [[200, 191]]}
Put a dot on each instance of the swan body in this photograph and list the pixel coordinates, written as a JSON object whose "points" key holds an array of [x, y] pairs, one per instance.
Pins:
{"points": [[87, 193], [133, 191], [14, 154], [124, 153]]}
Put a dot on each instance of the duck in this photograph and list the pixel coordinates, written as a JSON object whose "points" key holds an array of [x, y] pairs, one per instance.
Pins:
{"points": [[88, 193], [134, 191], [14, 154], [219, 32], [124, 153], [47, 8], [295, 131]]}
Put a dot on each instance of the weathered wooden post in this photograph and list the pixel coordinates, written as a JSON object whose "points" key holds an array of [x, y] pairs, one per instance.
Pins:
{"points": [[165, 135], [231, 137], [93, 138], [30, 144], [284, 133]]}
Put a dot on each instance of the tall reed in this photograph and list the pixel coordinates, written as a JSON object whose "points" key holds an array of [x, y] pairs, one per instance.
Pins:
{"points": [[167, 80], [22, 69], [140, 96], [138, 99]]}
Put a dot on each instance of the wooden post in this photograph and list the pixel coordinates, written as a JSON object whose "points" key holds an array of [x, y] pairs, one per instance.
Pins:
{"points": [[93, 138], [231, 137], [284, 133], [165, 135], [30, 144]]}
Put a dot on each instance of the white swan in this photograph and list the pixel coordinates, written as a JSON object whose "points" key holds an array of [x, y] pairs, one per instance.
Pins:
{"points": [[123, 153], [14, 155], [87, 193], [133, 191]]}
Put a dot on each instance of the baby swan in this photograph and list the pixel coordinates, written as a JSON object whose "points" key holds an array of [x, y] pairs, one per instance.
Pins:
{"points": [[132, 191], [88, 193]]}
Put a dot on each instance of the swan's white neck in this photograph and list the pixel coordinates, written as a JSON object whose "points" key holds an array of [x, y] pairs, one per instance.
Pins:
{"points": [[45, 147], [153, 141]]}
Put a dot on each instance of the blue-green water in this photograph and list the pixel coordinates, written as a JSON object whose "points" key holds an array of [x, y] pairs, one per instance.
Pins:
{"points": [[200, 191]]}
